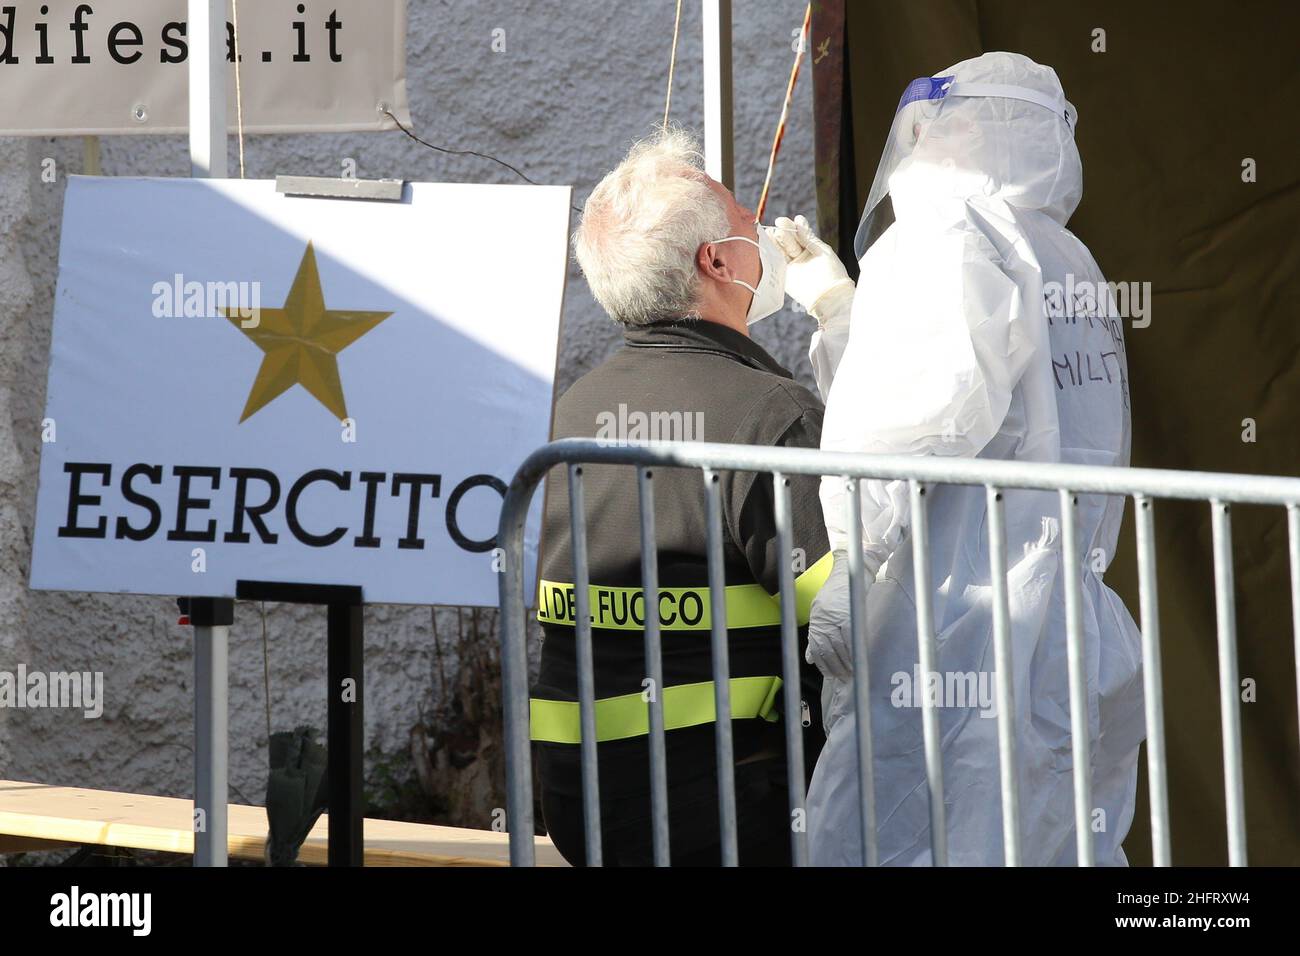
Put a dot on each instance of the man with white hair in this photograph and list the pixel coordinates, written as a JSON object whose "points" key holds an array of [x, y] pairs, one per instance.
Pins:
{"points": [[677, 262]]}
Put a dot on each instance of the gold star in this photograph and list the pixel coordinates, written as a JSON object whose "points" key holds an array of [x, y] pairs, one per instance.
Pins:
{"points": [[300, 342]]}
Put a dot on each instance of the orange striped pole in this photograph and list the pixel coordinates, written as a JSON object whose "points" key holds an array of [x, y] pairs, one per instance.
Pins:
{"points": [[785, 113]]}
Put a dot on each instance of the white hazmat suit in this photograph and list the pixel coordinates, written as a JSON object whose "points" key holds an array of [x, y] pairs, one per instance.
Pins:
{"points": [[981, 327]]}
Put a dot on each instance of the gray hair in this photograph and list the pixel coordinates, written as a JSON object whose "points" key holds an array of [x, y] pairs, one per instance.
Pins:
{"points": [[641, 227]]}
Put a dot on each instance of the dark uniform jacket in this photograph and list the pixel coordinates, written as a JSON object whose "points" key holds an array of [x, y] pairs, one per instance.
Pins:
{"points": [[720, 386]]}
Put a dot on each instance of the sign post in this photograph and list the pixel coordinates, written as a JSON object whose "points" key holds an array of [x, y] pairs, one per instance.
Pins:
{"points": [[345, 717], [207, 23], [211, 731], [211, 618], [719, 133]]}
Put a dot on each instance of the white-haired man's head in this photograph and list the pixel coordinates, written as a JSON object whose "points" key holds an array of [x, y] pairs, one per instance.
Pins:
{"points": [[646, 240]]}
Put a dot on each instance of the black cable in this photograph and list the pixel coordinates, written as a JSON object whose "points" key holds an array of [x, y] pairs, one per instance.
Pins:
{"points": [[464, 152]]}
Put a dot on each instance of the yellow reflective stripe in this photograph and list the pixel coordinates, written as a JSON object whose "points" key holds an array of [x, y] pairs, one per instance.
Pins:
{"points": [[809, 583], [685, 705], [680, 609]]}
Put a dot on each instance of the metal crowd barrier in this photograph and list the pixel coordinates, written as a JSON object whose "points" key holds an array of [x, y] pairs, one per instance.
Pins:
{"points": [[1143, 484]]}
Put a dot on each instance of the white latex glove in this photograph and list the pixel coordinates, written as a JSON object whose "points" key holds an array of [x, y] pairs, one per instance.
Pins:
{"points": [[814, 275], [830, 646]]}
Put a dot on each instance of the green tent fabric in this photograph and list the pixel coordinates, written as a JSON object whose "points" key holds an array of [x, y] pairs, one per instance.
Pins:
{"points": [[1183, 97]]}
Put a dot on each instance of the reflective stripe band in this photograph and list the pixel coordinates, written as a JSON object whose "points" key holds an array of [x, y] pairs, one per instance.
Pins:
{"points": [[807, 585], [685, 705], [940, 87], [1024, 94], [681, 609]]}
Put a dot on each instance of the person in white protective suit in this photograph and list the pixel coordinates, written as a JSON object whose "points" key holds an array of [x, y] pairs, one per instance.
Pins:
{"points": [[969, 336]]}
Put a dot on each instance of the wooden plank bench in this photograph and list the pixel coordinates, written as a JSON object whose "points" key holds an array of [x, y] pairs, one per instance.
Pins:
{"points": [[36, 816]]}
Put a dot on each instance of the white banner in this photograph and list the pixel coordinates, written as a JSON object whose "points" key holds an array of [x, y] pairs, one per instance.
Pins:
{"points": [[75, 68], [250, 386]]}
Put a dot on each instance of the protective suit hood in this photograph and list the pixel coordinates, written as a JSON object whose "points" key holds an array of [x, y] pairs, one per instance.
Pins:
{"points": [[997, 126]]}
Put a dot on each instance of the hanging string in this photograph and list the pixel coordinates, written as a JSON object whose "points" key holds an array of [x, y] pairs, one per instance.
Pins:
{"points": [[239, 93], [672, 61], [785, 112], [266, 674]]}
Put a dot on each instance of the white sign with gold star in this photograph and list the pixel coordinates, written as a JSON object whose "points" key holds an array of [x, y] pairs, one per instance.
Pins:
{"points": [[246, 386]]}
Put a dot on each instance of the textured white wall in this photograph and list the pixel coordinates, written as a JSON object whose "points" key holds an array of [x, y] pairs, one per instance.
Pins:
{"points": [[579, 80]]}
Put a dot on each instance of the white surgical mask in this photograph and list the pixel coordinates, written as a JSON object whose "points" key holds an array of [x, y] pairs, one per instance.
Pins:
{"points": [[770, 294]]}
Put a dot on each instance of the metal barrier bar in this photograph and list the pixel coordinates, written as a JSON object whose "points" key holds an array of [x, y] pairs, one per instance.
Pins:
{"points": [[861, 675], [1042, 476], [586, 670], [721, 672], [1229, 685], [654, 664], [1293, 535], [1006, 682], [1081, 744], [796, 785], [514, 664], [1153, 682], [1142, 483], [926, 659]]}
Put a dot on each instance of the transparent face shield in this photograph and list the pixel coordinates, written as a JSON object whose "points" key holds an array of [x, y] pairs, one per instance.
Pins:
{"points": [[920, 105]]}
